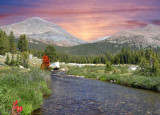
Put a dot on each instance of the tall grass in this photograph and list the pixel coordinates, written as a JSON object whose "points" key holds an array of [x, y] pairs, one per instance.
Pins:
{"points": [[87, 71], [144, 82], [119, 75], [26, 87]]}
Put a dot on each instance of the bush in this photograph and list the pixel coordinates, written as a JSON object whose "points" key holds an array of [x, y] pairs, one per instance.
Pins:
{"points": [[13, 62], [24, 59], [124, 69], [108, 66], [149, 67], [7, 61], [18, 60]]}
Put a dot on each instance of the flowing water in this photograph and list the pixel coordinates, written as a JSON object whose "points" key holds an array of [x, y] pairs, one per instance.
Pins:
{"points": [[80, 96]]}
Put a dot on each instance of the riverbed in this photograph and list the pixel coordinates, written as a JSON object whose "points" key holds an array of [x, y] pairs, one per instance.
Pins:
{"points": [[81, 96]]}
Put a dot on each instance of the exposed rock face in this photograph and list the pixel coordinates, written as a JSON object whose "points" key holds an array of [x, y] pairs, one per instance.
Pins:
{"points": [[100, 39], [149, 35], [44, 31]]}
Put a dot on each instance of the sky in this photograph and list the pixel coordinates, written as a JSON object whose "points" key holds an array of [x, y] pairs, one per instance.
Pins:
{"points": [[85, 19]]}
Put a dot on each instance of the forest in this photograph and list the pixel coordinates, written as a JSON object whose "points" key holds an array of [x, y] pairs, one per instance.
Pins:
{"points": [[148, 58]]}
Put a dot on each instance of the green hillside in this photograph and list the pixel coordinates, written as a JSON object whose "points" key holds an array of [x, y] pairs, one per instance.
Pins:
{"points": [[86, 49]]}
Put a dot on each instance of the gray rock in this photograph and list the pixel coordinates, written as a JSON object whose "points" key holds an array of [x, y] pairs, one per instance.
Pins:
{"points": [[44, 31]]}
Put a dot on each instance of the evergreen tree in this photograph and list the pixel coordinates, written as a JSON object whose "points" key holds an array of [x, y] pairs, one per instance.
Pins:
{"points": [[24, 59], [117, 60], [12, 61], [4, 43], [18, 60], [154, 64], [12, 45], [108, 66], [23, 43], [7, 62], [149, 66], [144, 66], [51, 53]]}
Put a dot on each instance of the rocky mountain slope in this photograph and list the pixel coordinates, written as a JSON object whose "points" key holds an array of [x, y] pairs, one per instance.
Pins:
{"points": [[149, 35], [100, 39], [38, 29], [135, 39]]}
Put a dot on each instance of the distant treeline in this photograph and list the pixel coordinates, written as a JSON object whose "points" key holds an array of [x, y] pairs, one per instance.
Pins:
{"points": [[125, 55], [89, 49]]}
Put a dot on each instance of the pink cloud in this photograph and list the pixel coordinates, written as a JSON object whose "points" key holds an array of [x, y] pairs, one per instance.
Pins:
{"points": [[87, 19]]}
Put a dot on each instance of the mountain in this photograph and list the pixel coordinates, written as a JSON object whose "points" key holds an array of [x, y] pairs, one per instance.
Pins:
{"points": [[40, 30], [149, 35], [96, 48], [100, 39], [135, 39]]}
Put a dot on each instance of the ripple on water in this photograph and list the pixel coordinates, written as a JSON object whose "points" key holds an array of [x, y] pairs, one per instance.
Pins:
{"points": [[80, 96]]}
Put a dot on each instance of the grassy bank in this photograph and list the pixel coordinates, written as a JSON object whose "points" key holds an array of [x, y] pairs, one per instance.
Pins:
{"points": [[87, 71], [119, 75], [143, 82], [28, 87]]}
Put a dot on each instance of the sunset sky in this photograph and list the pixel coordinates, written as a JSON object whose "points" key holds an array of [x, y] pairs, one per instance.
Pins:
{"points": [[85, 19]]}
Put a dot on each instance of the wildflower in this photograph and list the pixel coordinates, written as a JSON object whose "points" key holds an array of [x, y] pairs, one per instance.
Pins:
{"points": [[16, 108], [19, 109], [15, 103]]}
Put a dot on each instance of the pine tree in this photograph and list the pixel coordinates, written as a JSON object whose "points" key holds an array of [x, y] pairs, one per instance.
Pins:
{"points": [[149, 66], [23, 43], [144, 66], [4, 43], [154, 64], [51, 53], [12, 45], [12, 61], [7, 60], [108, 66], [18, 60], [25, 59]]}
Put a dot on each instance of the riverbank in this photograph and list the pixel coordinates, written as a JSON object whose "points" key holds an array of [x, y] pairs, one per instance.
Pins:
{"points": [[26, 86], [118, 75], [137, 81], [79, 96]]}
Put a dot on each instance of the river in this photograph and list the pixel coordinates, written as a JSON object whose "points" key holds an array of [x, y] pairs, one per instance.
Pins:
{"points": [[80, 96]]}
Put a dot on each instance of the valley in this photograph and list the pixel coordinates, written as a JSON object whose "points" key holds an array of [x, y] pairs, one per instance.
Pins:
{"points": [[109, 60], [79, 57]]}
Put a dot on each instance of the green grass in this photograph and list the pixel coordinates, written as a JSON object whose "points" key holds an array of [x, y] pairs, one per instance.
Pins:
{"points": [[87, 71], [27, 87], [144, 82], [119, 75]]}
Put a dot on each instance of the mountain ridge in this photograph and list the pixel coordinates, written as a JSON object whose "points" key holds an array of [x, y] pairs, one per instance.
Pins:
{"points": [[100, 39], [38, 29], [114, 45], [148, 35]]}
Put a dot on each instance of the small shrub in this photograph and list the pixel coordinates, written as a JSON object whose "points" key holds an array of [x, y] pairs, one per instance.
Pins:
{"points": [[7, 61], [13, 62], [25, 59], [124, 69], [108, 66]]}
